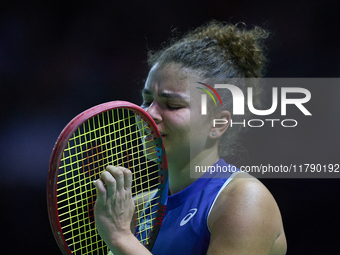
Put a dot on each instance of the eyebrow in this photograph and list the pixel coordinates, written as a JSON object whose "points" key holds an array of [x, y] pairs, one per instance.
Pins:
{"points": [[165, 94]]}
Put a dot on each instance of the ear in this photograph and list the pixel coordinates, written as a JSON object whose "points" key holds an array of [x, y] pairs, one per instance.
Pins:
{"points": [[220, 124]]}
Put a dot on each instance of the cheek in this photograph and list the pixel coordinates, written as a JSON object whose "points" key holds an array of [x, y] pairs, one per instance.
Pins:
{"points": [[200, 126], [198, 121], [179, 122]]}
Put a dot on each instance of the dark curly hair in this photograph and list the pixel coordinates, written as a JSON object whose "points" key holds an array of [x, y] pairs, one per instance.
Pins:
{"points": [[220, 51]]}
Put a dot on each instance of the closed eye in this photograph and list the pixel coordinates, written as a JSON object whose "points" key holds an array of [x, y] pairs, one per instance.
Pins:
{"points": [[173, 108]]}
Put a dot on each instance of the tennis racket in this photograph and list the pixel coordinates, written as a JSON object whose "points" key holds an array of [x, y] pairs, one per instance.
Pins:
{"points": [[116, 133]]}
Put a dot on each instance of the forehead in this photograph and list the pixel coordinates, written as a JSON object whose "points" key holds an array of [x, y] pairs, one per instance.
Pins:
{"points": [[169, 78]]}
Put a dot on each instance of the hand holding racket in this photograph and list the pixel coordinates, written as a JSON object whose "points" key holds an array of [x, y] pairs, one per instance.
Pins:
{"points": [[114, 207], [117, 134]]}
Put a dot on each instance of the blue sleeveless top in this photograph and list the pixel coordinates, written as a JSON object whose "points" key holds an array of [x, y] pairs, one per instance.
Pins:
{"points": [[184, 229]]}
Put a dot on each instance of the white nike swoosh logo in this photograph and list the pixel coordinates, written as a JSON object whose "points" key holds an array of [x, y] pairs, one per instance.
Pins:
{"points": [[190, 214]]}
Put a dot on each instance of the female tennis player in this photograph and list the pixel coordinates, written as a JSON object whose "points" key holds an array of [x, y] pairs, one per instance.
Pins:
{"points": [[207, 215]]}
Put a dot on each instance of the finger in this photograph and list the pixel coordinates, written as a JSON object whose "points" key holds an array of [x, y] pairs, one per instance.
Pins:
{"points": [[101, 191], [110, 182], [118, 175], [127, 179]]}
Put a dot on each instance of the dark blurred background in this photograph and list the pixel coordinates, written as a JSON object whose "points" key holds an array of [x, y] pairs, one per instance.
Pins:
{"points": [[58, 58]]}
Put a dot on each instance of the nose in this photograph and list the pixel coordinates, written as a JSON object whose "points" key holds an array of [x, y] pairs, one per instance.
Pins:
{"points": [[154, 112]]}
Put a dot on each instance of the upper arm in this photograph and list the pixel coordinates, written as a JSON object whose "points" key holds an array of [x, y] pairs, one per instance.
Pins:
{"points": [[246, 220]]}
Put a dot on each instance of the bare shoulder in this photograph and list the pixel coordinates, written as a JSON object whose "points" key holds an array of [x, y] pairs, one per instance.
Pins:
{"points": [[246, 219]]}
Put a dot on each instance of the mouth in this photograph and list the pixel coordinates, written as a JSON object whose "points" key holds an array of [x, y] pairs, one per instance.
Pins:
{"points": [[163, 135]]}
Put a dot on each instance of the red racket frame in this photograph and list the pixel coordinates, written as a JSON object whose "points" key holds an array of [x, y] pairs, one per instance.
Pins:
{"points": [[57, 153]]}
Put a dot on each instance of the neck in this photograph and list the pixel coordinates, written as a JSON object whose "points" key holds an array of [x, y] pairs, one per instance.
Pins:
{"points": [[179, 170]]}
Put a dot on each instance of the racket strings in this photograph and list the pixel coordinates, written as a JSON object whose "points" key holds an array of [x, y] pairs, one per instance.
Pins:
{"points": [[98, 159], [67, 160], [146, 211], [79, 193], [116, 137]]}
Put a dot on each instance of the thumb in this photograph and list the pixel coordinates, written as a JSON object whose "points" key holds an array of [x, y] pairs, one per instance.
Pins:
{"points": [[101, 191]]}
